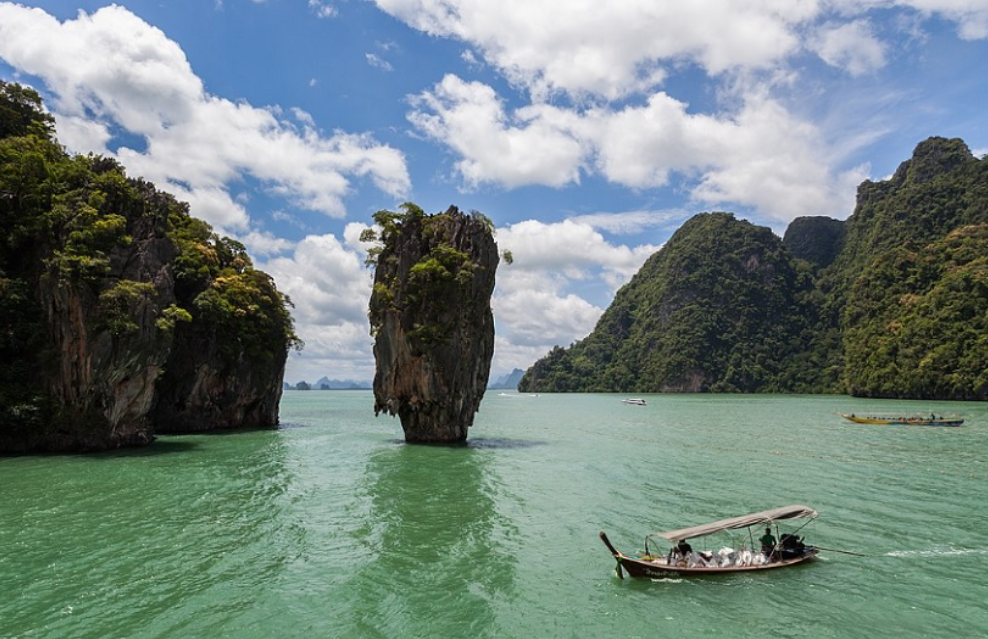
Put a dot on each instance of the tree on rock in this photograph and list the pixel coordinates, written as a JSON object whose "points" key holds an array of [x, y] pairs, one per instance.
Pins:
{"points": [[430, 314]]}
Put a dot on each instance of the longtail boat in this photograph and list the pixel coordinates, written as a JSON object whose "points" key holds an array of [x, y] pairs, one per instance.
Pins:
{"points": [[789, 551], [915, 420]]}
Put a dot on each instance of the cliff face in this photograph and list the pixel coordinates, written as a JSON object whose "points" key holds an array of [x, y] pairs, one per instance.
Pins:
{"points": [[212, 380], [434, 329], [120, 314], [104, 379]]}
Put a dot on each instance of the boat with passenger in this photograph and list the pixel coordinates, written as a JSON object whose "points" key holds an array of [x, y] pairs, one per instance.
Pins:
{"points": [[745, 552], [915, 420]]}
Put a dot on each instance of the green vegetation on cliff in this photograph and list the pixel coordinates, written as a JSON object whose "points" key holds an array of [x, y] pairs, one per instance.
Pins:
{"points": [[431, 318], [910, 288], [720, 308], [116, 268], [891, 303]]}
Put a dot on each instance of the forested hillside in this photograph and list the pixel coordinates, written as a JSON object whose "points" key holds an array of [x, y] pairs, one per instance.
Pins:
{"points": [[720, 308], [891, 303]]}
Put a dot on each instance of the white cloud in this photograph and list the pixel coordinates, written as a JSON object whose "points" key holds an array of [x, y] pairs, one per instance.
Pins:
{"points": [[852, 46], [330, 287], [111, 67], [265, 243], [612, 50], [535, 303], [322, 9], [758, 156], [971, 16], [525, 148], [585, 47], [378, 62]]}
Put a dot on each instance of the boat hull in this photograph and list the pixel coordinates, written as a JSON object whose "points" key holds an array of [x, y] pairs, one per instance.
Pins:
{"points": [[658, 568], [904, 421]]}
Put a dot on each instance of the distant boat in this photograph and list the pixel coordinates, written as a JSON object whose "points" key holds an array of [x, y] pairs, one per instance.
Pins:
{"points": [[915, 420], [789, 551], [634, 401]]}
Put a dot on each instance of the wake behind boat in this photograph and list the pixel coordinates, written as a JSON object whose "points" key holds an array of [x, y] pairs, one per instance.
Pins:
{"points": [[681, 559], [915, 420]]}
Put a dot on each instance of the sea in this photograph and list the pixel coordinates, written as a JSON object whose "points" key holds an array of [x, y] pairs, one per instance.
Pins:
{"points": [[332, 526]]}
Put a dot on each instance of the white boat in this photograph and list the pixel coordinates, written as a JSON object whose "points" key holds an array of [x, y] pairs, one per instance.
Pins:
{"points": [[634, 401]]}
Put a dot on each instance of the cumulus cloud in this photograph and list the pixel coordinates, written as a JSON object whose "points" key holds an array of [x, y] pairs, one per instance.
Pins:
{"points": [[585, 47], [759, 156], [612, 50], [850, 46], [536, 302], [595, 99], [527, 147], [111, 69], [330, 287]]}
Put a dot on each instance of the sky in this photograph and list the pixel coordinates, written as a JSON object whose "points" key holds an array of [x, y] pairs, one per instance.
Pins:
{"points": [[588, 132]]}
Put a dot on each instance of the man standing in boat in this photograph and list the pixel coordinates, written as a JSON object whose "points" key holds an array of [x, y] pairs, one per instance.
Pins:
{"points": [[768, 543]]}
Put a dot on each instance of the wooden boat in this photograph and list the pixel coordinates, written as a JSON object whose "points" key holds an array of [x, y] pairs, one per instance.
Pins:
{"points": [[634, 401], [916, 420], [788, 552]]}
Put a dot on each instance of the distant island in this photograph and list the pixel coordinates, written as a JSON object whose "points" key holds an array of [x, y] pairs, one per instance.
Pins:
{"points": [[324, 383], [891, 303], [505, 382]]}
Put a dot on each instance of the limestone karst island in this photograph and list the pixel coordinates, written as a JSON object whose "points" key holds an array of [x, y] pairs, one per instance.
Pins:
{"points": [[121, 316], [431, 316]]}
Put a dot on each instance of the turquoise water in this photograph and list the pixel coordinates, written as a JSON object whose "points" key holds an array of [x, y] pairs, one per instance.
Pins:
{"points": [[332, 527]]}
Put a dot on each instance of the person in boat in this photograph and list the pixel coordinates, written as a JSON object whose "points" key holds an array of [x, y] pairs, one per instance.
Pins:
{"points": [[768, 542], [680, 551], [792, 546], [683, 548]]}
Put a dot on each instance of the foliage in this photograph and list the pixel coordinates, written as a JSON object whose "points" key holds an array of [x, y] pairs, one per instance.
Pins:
{"points": [[717, 309], [891, 303], [117, 304], [918, 321], [170, 316], [250, 313], [22, 112], [421, 282], [69, 223]]}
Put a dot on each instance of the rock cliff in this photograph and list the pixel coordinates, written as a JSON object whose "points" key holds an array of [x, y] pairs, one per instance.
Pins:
{"points": [[121, 316], [431, 316]]}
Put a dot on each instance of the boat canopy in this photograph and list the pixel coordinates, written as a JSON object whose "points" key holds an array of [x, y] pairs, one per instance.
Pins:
{"points": [[766, 516]]}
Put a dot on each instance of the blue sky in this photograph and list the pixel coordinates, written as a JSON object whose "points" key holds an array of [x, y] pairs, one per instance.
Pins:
{"points": [[588, 131]]}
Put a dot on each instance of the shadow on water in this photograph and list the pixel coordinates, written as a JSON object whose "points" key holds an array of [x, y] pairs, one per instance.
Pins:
{"points": [[161, 446], [437, 541], [480, 443]]}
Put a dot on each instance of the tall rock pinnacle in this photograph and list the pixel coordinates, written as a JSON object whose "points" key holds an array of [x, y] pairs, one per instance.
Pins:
{"points": [[430, 313]]}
